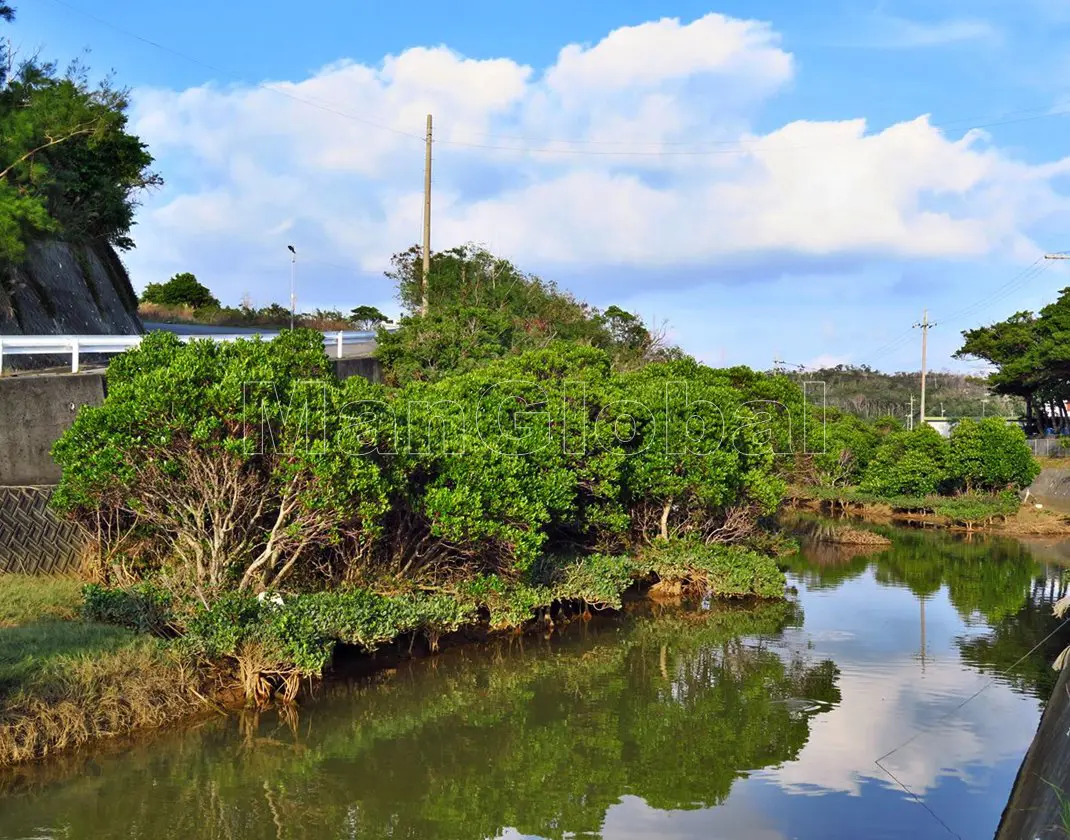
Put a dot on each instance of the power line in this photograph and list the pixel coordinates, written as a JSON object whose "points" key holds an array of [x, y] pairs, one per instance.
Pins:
{"points": [[307, 101], [720, 147]]}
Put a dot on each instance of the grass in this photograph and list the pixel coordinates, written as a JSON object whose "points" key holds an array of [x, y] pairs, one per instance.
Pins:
{"points": [[25, 598], [65, 681]]}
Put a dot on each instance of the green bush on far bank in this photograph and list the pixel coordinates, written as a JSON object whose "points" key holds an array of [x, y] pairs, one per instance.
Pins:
{"points": [[886, 462]]}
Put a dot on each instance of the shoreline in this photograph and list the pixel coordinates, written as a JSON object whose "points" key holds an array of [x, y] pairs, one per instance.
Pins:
{"points": [[215, 689], [1027, 521]]}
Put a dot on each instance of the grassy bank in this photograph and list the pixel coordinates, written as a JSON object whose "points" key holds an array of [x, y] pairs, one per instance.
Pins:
{"points": [[65, 681], [77, 666], [997, 513]]}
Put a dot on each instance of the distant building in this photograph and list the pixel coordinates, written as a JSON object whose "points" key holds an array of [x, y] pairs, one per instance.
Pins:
{"points": [[941, 425]]}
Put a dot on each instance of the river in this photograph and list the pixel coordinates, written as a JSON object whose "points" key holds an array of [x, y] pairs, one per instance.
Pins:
{"points": [[751, 722]]}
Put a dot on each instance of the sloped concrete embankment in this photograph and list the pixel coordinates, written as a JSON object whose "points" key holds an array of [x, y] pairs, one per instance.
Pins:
{"points": [[1043, 783], [66, 289]]}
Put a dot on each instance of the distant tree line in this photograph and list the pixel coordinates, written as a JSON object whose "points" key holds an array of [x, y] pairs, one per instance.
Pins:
{"points": [[870, 394], [184, 298]]}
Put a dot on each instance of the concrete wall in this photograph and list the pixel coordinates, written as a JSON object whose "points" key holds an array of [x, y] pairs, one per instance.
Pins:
{"points": [[34, 411], [1035, 805], [367, 367]]}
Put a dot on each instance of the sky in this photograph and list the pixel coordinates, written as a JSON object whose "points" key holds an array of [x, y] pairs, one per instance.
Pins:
{"points": [[767, 180]]}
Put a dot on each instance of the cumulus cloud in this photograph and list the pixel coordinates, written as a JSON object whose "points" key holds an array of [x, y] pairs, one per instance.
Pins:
{"points": [[883, 709], [662, 166]]}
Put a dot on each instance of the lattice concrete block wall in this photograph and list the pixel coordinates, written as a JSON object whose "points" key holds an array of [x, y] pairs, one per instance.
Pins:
{"points": [[33, 539]]}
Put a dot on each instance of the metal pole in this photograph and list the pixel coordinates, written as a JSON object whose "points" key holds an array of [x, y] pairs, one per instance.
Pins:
{"points": [[293, 297], [427, 220]]}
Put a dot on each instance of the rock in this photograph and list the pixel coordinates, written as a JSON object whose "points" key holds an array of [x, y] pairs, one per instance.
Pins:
{"points": [[66, 289]]}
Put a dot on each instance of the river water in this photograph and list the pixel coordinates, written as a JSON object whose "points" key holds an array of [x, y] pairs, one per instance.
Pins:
{"points": [[750, 722]]}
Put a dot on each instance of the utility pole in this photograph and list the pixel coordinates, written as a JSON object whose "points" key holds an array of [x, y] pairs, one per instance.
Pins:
{"points": [[983, 403], [427, 218], [924, 325], [910, 417]]}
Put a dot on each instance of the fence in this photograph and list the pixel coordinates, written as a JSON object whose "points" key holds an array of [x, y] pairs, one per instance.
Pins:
{"points": [[1049, 447], [77, 345]]}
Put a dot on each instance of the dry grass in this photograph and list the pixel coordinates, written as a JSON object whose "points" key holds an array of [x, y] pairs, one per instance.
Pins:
{"points": [[64, 681], [846, 535], [80, 698]]}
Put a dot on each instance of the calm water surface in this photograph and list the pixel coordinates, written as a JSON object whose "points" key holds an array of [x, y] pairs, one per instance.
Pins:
{"points": [[759, 723]]}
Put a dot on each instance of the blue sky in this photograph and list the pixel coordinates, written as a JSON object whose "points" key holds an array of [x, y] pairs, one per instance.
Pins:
{"points": [[774, 227]]}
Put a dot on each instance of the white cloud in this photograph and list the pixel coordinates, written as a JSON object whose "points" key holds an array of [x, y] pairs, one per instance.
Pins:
{"points": [[886, 707], [248, 163], [826, 360], [900, 33]]}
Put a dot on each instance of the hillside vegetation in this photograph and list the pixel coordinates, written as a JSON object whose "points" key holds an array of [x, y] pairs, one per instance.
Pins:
{"points": [[870, 393]]}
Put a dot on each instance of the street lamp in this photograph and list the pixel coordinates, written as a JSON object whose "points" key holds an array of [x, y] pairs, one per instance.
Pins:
{"points": [[293, 298]]}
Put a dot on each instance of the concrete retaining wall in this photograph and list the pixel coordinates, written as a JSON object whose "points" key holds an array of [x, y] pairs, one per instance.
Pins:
{"points": [[1035, 807], [365, 366], [33, 539], [34, 412], [66, 289]]}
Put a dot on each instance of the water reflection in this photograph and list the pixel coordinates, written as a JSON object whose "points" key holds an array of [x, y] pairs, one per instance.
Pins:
{"points": [[748, 722], [672, 709]]}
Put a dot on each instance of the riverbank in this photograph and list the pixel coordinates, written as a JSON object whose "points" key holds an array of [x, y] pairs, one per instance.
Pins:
{"points": [[80, 667], [1005, 514]]}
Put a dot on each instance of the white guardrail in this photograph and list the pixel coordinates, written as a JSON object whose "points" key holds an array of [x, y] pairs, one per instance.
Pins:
{"points": [[77, 345]]}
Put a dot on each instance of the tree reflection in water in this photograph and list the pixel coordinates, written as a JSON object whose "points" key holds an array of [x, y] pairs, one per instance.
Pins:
{"points": [[544, 738]]}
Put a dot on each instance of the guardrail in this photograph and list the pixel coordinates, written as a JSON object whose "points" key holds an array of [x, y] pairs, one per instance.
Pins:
{"points": [[77, 345]]}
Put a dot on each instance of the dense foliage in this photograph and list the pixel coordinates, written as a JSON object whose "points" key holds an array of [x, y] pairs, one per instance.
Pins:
{"points": [[225, 464], [67, 164], [990, 456], [482, 307], [181, 290], [871, 394], [908, 463], [1029, 353], [242, 463]]}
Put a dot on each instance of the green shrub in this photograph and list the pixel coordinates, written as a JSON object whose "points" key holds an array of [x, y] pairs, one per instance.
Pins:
{"points": [[908, 463], [236, 461], [721, 570], [990, 455], [849, 444], [303, 630], [143, 607]]}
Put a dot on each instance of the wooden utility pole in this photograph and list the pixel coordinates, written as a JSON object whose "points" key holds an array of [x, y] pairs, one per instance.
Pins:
{"points": [[924, 325], [427, 219]]}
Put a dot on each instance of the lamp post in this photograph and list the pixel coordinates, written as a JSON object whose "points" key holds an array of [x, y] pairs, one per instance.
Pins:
{"points": [[293, 298]]}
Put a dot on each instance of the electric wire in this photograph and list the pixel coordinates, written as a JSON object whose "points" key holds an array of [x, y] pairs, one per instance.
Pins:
{"points": [[720, 147]]}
